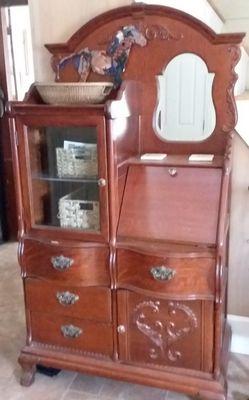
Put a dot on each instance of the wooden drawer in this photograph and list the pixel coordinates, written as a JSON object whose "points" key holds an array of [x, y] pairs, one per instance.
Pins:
{"points": [[93, 303], [174, 277], [73, 265], [84, 335]]}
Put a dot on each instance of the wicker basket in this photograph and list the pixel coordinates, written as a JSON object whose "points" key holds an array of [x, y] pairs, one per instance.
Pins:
{"points": [[77, 213], [74, 93], [77, 162]]}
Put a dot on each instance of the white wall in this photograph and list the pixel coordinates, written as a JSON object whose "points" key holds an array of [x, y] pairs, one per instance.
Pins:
{"points": [[240, 25], [200, 9], [55, 21], [242, 70]]}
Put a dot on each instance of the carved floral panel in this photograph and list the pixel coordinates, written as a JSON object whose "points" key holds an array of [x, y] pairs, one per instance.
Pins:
{"points": [[165, 332]]}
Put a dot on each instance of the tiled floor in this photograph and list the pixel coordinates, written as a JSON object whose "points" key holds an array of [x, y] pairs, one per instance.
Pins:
{"points": [[69, 385]]}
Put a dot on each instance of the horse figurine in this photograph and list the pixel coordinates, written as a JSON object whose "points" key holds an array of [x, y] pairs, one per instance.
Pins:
{"points": [[111, 62]]}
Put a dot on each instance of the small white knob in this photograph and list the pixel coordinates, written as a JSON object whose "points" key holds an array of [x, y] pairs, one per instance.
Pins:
{"points": [[173, 171], [121, 329], [102, 182]]}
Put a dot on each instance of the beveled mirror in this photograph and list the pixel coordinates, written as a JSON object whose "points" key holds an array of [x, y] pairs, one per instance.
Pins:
{"points": [[185, 110]]}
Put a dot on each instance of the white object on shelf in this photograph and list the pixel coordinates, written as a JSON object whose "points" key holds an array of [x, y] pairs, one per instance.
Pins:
{"points": [[153, 156], [201, 157], [63, 93], [77, 162], [76, 212]]}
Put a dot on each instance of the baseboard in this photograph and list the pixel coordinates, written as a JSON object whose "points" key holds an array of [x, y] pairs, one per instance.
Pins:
{"points": [[240, 334]]}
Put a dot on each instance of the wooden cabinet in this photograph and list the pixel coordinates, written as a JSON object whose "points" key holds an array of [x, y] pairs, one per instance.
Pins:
{"points": [[125, 259], [54, 174]]}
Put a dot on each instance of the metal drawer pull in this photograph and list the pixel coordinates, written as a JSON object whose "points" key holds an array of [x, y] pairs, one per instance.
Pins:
{"points": [[162, 273], [61, 263], [71, 331], [67, 298]]}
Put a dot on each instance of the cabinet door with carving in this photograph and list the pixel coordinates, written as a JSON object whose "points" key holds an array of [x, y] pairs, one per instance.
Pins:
{"points": [[165, 333]]}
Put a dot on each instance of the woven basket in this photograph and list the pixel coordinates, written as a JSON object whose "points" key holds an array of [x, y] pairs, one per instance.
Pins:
{"points": [[79, 214], [74, 93], [77, 163]]}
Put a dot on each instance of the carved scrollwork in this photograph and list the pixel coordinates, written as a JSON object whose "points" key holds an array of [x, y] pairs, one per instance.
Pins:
{"points": [[164, 334], [152, 32], [231, 114]]}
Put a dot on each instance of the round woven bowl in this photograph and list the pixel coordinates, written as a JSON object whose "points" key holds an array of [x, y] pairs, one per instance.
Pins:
{"points": [[74, 93]]}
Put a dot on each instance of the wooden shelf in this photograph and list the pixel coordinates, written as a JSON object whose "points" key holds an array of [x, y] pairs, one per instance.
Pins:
{"points": [[179, 160]]}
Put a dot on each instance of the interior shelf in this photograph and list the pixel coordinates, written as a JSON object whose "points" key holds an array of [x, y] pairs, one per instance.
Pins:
{"points": [[179, 160], [44, 177]]}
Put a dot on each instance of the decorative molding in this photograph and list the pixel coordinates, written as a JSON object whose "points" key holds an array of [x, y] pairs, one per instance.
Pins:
{"points": [[164, 334], [67, 349], [231, 112], [155, 31]]}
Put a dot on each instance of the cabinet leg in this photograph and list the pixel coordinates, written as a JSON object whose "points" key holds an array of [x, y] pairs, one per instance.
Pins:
{"points": [[28, 372]]}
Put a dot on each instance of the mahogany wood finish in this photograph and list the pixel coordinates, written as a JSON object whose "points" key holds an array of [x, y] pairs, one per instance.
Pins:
{"points": [[164, 207], [175, 335], [147, 293], [192, 279], [94, 337], [89, 264], [83, 307]]}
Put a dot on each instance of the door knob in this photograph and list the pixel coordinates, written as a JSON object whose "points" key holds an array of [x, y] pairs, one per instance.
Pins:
{"points": [[121, 329]]}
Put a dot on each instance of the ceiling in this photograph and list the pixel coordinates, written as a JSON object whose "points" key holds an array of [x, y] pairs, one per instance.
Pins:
{"points": [[232, 9], [235, 14]]}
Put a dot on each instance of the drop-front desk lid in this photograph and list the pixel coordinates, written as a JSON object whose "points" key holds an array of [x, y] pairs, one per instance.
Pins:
{"points": [[178, 204]]}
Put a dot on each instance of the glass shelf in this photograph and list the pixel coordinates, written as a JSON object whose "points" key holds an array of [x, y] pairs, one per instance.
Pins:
{"points": [[45, 177]]}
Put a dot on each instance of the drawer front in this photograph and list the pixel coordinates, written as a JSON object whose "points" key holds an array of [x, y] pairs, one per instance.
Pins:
{"points": [[174, 277], [93, 303], [73, 265], [83, 335]]}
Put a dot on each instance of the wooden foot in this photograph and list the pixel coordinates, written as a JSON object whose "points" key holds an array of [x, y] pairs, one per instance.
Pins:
{"points": [[28, 372]]}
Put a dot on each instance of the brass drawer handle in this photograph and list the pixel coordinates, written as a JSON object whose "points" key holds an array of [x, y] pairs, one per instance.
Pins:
{"points": [[162, 273], [61, 263], [71, 331], [67, 298]]}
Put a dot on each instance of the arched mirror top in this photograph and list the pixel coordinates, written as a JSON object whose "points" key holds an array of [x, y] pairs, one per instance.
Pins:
{"points": [[168, 33]]}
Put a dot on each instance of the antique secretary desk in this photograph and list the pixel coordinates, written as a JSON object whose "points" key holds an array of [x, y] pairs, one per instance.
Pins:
{"points": [[137, 291]]}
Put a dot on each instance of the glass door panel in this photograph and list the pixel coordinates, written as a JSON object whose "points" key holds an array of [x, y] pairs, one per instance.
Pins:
{"points": [[64, 177]]}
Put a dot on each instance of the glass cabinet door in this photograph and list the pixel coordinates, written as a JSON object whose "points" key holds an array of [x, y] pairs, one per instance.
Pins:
{"points": [[64, 175]]}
